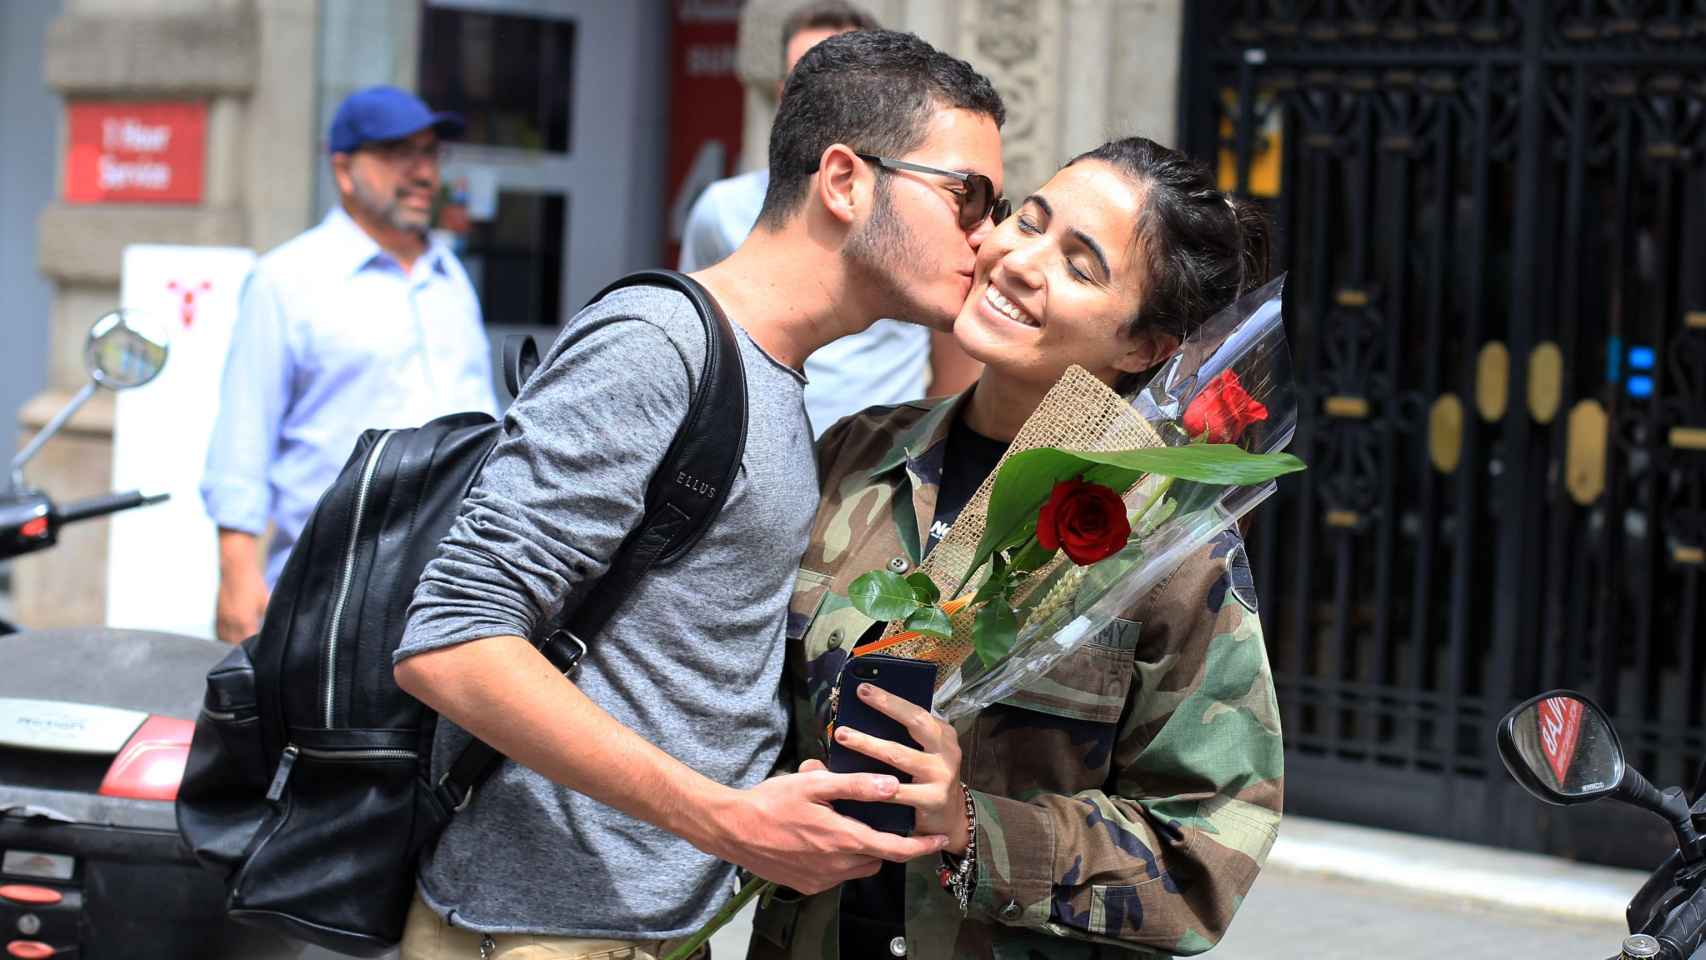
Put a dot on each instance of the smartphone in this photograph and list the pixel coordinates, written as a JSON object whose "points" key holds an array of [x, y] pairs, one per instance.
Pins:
{"points": [[911, 680]]}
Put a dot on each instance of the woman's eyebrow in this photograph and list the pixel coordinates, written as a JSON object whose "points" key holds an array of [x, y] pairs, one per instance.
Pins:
{"points": [[1040, 201], [1095, 250]]}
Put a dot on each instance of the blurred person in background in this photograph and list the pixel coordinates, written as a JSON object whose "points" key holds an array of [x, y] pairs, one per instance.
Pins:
{"points": [[888, 363], [360, 322]]}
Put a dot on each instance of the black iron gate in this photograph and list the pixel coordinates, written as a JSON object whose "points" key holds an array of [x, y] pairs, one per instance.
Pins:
{"points": [[1494, 215]]}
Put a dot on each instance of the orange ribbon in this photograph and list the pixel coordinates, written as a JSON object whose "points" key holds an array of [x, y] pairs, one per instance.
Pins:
{"points": [[950, 608]]}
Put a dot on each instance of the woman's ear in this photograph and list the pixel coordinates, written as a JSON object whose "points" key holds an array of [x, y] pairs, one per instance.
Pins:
{"points": [[838, 173], [1148, 349]]}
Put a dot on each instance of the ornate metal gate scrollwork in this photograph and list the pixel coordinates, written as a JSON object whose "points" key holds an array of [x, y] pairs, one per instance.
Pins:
{"points": [[1494, 215]]}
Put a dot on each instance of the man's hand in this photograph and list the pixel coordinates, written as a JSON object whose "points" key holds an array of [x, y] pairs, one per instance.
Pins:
{"points": [[784, 830], [242, 587]]}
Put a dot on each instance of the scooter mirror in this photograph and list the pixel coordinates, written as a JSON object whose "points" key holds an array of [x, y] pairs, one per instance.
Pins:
{"points": [[126, 348], [1562, 748]]}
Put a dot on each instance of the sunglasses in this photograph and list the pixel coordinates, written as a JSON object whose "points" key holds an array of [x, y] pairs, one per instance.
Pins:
{"points": [[977, 202], [402, 153]]}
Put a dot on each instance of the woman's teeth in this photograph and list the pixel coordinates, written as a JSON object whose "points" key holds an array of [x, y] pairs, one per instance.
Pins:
{"points": [[1006, 308]]}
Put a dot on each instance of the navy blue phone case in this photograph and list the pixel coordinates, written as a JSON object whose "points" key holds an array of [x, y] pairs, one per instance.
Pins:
{"points": [[911, 680]]}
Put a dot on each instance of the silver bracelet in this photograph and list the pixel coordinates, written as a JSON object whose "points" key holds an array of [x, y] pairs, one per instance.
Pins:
{"points": [[957, 877]]}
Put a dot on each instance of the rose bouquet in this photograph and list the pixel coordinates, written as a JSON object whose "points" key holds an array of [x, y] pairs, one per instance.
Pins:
{"points": [[1098, 500]]}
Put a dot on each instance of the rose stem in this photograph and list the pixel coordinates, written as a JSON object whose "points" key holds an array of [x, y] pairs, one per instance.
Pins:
{"points": [[1154, 498], [717, 922]]}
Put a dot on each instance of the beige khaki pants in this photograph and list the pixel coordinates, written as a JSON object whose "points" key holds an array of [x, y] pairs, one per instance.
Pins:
{"points": [[426, 937]]}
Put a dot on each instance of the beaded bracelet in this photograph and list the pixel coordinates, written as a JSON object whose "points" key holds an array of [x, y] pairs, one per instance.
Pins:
{"points": [[956, 877]]}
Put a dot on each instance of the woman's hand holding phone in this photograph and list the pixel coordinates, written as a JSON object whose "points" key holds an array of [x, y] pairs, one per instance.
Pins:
{"points": [[935, 791]]}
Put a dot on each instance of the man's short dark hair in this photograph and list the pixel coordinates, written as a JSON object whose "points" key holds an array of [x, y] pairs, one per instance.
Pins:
{"points": [[873, 90], [825, 15]]}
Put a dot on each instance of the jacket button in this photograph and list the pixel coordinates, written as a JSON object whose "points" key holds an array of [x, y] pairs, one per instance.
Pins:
{"points": [[897, 946], [1011, 911], [898, 565], [835, 639]]}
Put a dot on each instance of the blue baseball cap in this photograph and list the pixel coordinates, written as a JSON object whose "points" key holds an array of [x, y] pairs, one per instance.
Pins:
{"points": [[385, 113]]}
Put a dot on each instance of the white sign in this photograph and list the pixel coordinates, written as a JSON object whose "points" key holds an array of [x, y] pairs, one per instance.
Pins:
{"points": [[163, 560]]}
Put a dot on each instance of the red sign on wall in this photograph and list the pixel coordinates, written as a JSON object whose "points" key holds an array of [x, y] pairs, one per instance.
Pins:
{"points": [[707, 98], [1560, 733], [135, 152]]}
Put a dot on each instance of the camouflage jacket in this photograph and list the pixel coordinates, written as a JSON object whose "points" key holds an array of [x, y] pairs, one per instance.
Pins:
{"points": [[1126, 799]]}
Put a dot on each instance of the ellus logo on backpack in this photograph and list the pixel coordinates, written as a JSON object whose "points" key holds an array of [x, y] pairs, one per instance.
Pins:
{"points": [[695, 484]]}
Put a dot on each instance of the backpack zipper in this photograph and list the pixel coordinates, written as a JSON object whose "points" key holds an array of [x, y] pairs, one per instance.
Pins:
{"points": [[281, 776], [367, 472], [356, 756], [287, 761]]}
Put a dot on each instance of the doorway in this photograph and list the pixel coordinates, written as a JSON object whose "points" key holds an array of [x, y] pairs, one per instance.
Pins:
{"points": [[559, 175]]}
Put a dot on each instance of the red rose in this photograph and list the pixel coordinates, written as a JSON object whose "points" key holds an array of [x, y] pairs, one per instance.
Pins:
{"points": [[1087, 520], [1223, 410]]}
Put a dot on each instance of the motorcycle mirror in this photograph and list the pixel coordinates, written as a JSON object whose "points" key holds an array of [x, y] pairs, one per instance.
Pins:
{"points": [[125, 348], [1561, 747]]}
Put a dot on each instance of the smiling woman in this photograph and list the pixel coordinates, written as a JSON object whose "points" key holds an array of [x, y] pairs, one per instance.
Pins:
{"points": [[1059, 283], [1150, 753]]}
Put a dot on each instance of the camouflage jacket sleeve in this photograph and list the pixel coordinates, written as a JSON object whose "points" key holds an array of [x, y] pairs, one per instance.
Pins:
{"points": [[1164, 853]]}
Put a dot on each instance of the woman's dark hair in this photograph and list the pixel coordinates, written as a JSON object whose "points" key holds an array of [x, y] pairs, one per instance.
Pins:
{"points": [[1202, 247], [874, 90]]}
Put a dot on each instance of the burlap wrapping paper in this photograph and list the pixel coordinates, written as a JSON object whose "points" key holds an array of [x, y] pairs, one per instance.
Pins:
{"points": [[1080, 412]]}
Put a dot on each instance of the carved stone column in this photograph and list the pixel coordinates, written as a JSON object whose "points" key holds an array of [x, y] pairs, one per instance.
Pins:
{"points": [[1017, 44], [1073, 72]]}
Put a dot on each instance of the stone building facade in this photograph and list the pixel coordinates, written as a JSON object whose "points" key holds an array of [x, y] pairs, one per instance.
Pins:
{"points": [[1074, 72], [244, 58]]}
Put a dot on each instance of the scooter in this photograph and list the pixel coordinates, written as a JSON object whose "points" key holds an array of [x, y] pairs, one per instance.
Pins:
{"points": [[95, 728], [1562, 748]]}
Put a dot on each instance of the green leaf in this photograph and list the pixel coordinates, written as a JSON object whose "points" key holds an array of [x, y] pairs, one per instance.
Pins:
{"points": [[882, 595], [997, 583], [1219, 463], [923, 587], [994, 630], [1028, 477], [930, 620], [1104, 574], [1032, 558], [1156, 517]]}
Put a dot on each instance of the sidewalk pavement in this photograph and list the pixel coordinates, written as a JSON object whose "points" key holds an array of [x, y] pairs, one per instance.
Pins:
{"points": [[1399, 869], [1468, 874]]}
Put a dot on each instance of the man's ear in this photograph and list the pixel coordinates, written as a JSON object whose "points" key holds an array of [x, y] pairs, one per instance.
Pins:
{"points": [[839, 172], [1148, 349], [341, 174]]}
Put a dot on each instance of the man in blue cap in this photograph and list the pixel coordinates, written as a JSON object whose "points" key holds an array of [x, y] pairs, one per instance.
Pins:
{"points": [[360, 322]]}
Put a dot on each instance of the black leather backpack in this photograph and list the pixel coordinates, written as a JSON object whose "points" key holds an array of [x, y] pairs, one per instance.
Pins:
{"points": [[308, 786]]}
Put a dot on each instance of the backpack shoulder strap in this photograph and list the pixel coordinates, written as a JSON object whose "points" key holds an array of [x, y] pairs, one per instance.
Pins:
{"points": [[684, 496], [694, 478]]}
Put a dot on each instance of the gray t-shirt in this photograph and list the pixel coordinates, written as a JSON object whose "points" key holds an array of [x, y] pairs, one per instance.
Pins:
{"points": [[692, 660]]}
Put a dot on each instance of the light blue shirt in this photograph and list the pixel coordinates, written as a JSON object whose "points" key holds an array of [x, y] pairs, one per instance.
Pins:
{"points": [[334, 338], [885, 364]]}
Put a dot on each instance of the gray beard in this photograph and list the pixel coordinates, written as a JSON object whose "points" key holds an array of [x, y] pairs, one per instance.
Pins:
{"points": [[882, 252], [389, 213]]}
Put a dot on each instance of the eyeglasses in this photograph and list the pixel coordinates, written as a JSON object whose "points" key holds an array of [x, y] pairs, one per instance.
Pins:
{"points": [[978, 200], [400, 153]]}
